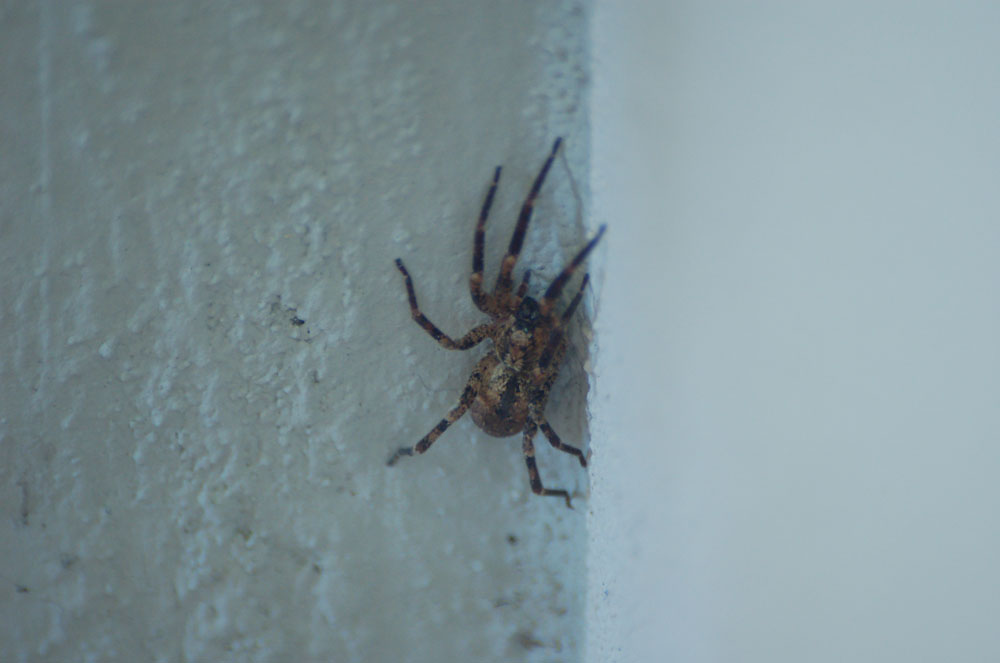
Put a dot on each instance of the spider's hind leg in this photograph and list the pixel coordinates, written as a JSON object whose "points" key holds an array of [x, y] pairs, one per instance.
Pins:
{"points": [[557, 443], [528, 448], [471, 388]]}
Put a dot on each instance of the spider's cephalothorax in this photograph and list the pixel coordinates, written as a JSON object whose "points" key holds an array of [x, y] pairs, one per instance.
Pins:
{"points": [[508, 389]]}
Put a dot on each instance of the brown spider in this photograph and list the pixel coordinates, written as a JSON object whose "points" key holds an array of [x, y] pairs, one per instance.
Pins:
{"points": [[509, 387]]}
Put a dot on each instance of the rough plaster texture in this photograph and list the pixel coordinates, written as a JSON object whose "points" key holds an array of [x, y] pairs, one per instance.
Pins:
{"points": [[206, 352]]}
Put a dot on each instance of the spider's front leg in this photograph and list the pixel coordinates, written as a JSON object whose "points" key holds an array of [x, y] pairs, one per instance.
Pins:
{"points": [[528, 448], [483, 302], [558, 283], [469, 340], [501, 291]]}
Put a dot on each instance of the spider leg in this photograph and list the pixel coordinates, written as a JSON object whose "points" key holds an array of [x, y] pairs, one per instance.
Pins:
{"points": [[502, 288], [454, 415], [522, 289], [557, 285], [571, 309], [555, 337], [528, 448], [469, 340], [553, 353], [483, 301], [556, 442]]}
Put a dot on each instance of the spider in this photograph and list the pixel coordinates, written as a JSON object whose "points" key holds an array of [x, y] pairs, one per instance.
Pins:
{"points": [[509, 387]]}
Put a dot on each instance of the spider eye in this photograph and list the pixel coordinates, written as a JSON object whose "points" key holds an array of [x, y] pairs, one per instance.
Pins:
{"points": [[527, 314]]}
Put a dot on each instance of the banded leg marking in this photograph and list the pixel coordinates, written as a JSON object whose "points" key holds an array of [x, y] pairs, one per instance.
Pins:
{"points": [[528, 448], [469, 340], [454, 415]]}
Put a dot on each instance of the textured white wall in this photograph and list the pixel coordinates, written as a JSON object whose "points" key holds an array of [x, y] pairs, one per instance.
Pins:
{"points": [[206, 354], [797, 389]]}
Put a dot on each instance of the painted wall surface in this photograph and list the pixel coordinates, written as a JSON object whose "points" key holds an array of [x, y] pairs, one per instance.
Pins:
{"points": [[206, 354], [796, 405]]}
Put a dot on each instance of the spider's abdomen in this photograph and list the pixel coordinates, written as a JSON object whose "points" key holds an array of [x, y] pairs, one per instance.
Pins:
{"points": [[501, 405]]}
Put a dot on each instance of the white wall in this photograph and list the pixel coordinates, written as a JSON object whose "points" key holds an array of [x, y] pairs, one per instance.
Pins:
{"points": [[797, 399], [186, 473]]}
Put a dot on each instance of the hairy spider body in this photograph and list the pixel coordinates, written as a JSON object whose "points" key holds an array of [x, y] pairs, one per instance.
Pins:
{"points": [[507, 391], [501, 405]]}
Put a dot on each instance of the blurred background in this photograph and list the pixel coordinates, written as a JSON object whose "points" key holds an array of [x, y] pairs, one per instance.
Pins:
{"points": [[796, 403]]}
